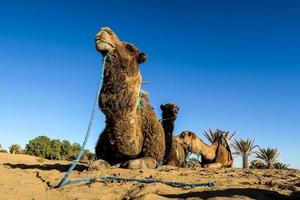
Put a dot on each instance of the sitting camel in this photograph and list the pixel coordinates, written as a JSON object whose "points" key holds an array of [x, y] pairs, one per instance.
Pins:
{"points": [[133, 135], [216, 155], [175, 155]]}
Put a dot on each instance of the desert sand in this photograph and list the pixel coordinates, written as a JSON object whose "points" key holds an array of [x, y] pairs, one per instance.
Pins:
{"points": [[23, 177]]}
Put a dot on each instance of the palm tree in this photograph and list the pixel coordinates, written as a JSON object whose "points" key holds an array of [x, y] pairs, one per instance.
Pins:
{"points": [[280, 165], [213, 136], [269, 156], [244, 148]]}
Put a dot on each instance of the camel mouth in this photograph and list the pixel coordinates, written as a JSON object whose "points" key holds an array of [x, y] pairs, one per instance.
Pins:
{"points": [[106, 40], [103, 46]]}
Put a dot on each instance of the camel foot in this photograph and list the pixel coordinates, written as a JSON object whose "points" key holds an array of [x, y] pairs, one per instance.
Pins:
{"points": [[213, 165], [99, 165], [142, 163]]}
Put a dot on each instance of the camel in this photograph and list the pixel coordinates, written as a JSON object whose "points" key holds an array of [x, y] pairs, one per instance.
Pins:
{"points": [[133, 135], [216, 155], [175, 155]]}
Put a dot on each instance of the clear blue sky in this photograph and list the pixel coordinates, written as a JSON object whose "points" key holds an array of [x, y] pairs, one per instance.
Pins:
{"points": [[232, 65]]}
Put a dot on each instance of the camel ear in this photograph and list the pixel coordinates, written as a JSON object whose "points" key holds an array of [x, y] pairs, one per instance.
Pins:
{"points": [[141, 58], [162, 107]]}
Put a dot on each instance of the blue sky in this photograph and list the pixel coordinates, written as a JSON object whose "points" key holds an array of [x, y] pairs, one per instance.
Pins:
{"points": [[232, 65]]}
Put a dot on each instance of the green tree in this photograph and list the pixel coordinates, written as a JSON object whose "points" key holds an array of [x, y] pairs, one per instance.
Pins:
{"points": [[88, 156], [15, 149], [39, 146], [75, 151], [244, 148], [66, 150], [92, 157], [55, 149], [268, 156]]}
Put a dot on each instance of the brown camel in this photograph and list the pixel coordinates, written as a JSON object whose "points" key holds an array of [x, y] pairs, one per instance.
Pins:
{"points": [[133, 134], [215, 155], [175, 154]]}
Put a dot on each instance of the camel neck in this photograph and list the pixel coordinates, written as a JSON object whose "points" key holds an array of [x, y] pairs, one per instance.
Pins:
{"points": [[118, 101], [168, 126], [119, 94], [199, 147]]}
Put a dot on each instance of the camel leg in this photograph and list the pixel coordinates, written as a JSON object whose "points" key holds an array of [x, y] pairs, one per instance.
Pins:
{"points": [[99, 165], [142, 163], [104, 151], [102, 148], [213, 165]]}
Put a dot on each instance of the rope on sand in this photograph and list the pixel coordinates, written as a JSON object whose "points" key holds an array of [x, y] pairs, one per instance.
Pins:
{"points": [[139, 180], [170, 183]]}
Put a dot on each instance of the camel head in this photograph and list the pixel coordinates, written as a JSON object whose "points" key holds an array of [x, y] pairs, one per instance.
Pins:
{"points": [[188, 141], [123, 55], [169, 111]]}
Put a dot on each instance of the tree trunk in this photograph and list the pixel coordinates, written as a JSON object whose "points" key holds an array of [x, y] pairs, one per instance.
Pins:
{"points": [[245, 162], [270, 165]]}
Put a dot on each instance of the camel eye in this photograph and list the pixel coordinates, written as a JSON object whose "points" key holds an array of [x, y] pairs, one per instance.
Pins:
{"points": [[129, 47]]}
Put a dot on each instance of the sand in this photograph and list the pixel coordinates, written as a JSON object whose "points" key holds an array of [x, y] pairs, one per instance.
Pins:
{"points": [[23, 177]]}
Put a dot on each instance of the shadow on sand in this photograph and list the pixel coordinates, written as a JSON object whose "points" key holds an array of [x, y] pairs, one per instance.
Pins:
{"points": [[231, 192], [56, 166]]}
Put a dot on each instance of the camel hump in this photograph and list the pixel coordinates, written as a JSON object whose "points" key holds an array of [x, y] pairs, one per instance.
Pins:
{"points": [[223, 140]]}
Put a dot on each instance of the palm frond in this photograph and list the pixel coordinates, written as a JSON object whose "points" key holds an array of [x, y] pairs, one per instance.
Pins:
{"points": [[244, 147], [268, 155], [280, 165], [213, 136]]}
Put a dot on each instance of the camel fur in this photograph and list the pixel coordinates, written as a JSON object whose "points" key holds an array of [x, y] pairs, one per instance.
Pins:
{"points": [[132, 134]]}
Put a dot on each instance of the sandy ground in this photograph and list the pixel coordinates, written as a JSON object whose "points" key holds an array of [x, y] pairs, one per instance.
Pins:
{"points": [[23, 177]]}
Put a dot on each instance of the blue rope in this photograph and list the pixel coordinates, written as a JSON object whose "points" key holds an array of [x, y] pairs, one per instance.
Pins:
{"points": [[87, 180], [139, 180], [64, 181], [170, 183]]}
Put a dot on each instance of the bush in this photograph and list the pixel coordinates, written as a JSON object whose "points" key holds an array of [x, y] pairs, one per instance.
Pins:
{"points": [[15, 149], [257, 164], [75, 151], [44, 147], [39, 146], [88, 156]]}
